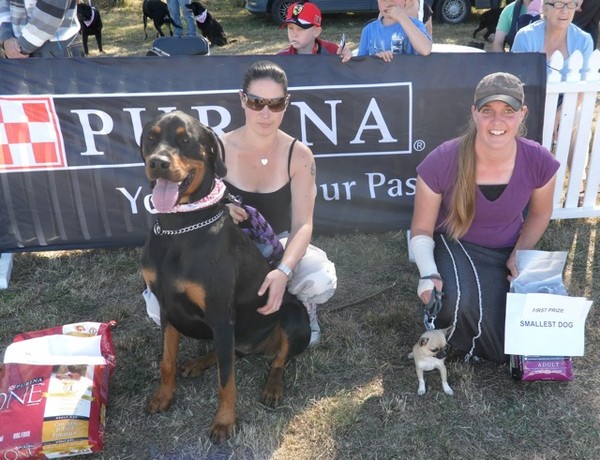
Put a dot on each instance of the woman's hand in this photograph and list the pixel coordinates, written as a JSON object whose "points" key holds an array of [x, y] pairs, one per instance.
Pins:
{"points": [[426, 295], [511, 264], [276, 284], [237, 213]]}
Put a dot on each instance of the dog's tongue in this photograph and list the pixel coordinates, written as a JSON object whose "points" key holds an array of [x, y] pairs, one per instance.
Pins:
{"points": [[164, 195]]}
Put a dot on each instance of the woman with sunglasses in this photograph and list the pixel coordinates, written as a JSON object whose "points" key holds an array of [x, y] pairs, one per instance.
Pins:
{"points": [[275, 173]]}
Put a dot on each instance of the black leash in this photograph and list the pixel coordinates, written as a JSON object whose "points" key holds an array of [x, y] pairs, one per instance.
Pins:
{"points": [[433, 307]]}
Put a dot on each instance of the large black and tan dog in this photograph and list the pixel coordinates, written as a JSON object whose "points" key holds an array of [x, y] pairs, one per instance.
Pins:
{"points": [[205, 272]]}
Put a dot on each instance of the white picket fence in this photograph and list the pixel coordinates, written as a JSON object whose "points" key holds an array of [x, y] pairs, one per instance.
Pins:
{"points": [[577, 145]]}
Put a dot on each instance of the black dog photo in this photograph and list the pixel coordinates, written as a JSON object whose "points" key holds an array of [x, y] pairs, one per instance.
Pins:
{"points": [[91, 24]]}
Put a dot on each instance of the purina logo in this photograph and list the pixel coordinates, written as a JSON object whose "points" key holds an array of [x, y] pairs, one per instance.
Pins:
{"points": [[30, 137], [68, 132]]}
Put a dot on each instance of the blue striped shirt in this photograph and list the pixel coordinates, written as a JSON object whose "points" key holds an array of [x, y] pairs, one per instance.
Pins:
{"points": [[34, 23]]}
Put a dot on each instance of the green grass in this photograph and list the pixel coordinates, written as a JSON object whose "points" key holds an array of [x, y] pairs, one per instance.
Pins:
{"points": [[354, 396]]}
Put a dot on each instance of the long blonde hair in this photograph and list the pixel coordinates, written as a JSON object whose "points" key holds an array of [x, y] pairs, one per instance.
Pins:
{"points": [[462, 205]]}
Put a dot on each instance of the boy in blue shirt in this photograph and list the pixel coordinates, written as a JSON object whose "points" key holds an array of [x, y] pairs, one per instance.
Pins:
{"points": [[395, 32]]}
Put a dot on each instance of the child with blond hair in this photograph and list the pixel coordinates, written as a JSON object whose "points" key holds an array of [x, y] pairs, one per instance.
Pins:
{"points": [[395, 31]]}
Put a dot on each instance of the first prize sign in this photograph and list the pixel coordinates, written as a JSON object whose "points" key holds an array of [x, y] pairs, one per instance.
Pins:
{"points": [[541, 324]]}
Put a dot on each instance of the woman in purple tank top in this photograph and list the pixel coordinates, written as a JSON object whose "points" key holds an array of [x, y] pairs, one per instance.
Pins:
{"points": [[471, 197]]}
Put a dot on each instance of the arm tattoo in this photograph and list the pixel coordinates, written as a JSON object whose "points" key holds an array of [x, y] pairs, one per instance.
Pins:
{"points": [[313, 169]]}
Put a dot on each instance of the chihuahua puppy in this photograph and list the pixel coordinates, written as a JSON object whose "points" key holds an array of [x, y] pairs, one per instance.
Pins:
{"points": [[429, 353]]}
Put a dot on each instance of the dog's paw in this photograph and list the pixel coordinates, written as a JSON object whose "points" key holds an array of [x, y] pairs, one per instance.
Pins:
{"points": [[161, 401], [195, 367], [220, 432], [272, 394], [447, 389], [421, 391]]}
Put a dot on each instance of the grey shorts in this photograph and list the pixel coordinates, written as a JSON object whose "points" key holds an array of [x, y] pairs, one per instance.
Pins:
{"points": [[67, 48]]}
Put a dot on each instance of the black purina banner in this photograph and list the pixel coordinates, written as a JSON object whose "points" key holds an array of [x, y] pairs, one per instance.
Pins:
{"points": [[71, 173]]}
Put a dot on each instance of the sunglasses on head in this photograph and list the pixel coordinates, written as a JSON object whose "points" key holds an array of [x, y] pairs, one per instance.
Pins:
{"points": [[256, 103]]}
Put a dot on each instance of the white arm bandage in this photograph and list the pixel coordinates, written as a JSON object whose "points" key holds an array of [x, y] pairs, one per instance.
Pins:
{"points": [[422, 248]]}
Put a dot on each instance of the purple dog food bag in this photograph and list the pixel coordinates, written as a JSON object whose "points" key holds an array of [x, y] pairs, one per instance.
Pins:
{"points": [[532, 368]]}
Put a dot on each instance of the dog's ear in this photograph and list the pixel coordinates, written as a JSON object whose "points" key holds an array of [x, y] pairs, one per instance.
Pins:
{"points": [[448, 331], [217, 152], [423, 341], [143, 136]]}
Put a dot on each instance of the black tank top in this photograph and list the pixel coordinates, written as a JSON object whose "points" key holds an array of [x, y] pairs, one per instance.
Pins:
{"points": [[276, 207]]}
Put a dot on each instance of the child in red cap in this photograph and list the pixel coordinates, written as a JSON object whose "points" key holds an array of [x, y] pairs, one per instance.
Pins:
{"points": [[303, 21]]}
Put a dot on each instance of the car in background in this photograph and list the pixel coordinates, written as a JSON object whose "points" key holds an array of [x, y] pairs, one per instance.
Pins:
{"points": [[450, 11]]}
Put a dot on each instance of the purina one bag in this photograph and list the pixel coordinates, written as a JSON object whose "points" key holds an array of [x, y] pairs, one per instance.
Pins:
{"points": [[54, 391]]}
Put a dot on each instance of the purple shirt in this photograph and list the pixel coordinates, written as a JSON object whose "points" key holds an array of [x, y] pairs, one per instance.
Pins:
{"points": [[496, 224]]}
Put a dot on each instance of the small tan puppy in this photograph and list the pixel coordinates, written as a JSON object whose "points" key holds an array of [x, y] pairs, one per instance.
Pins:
{"points": [[429, 353]]}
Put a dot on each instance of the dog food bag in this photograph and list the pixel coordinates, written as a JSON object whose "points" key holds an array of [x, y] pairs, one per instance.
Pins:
{"points": [[532, 368], [540, 271], [54, 391]]}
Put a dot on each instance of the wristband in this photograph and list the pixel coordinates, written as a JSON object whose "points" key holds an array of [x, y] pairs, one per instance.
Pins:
{"points": [[287, 271]]}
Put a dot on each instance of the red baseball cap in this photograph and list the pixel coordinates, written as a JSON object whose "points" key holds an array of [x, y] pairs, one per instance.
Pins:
{"points": [[305, 15]]}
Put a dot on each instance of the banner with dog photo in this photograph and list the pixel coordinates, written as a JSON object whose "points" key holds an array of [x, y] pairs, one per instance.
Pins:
{"points": [[72, 174]]}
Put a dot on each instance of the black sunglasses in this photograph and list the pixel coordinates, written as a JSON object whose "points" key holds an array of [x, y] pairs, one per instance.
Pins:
{"points": [[563, 5], [256, 103]]}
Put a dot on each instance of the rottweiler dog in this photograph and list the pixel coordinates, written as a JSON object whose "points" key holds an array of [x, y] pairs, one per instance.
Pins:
{"points": [[205, 272], [208, 25], [91, 24], [158, 11]]}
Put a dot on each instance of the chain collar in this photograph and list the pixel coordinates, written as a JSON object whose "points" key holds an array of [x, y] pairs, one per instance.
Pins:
{"points": [[159, 231]]}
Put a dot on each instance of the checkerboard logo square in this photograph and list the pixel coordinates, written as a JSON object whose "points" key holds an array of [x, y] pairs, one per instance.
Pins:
{"points": [[30, 136]]}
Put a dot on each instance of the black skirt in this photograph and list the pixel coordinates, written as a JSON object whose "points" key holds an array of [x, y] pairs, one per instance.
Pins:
{"points": [[474, 301]]}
